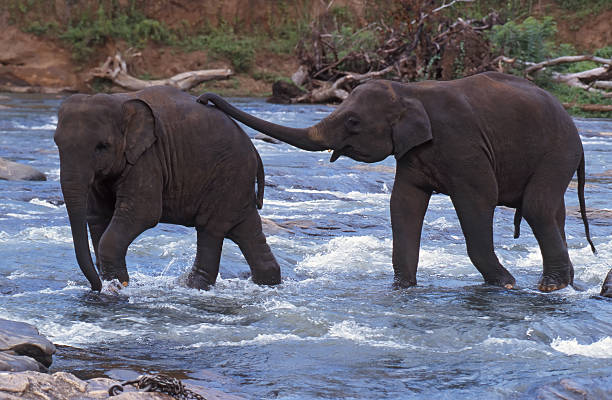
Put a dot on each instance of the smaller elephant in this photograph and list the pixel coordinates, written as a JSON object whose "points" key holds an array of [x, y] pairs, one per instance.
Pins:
{"points": [[606, 288], [130, 161]]}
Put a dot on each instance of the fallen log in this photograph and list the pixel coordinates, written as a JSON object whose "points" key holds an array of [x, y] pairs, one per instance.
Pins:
{"points": [[338, 90], [590, 107], [564, 60], [115, 70]]}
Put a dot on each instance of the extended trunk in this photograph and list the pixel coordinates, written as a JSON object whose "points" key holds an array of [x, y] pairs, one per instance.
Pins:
{"points": [[76, 205], [304, 138]]}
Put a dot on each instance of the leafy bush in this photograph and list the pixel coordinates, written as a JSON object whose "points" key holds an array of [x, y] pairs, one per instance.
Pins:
{"points": [[134, 28], [530, 40], [223, 42], [39, 29]]}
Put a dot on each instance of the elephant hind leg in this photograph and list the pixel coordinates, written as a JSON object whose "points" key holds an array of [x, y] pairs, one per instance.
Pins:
{"points": [[249, 236], [206, 265], [475, 212], [544, 210]]}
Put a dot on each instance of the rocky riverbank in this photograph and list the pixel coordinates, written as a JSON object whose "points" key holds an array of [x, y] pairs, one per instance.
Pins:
{"points": [[26, 356]]}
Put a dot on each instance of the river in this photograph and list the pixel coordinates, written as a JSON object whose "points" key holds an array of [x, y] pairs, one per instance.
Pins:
{"points": [[334, 328]]}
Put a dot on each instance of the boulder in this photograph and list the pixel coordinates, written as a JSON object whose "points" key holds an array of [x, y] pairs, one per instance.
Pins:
{"points": [[22, 348], [12, 171]]}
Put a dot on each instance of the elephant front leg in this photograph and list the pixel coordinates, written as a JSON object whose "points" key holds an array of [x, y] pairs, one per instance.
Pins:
{"points": [[113, 246], [206, 265], [249, 236], [408, 207]]}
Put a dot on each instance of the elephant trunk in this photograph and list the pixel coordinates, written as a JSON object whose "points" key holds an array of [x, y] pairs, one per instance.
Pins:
{"points": [[75, 196], [304, 138]]}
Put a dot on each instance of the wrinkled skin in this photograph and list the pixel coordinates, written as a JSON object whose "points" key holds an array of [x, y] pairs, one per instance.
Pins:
{"points": [[130, 161], [486, 140]]}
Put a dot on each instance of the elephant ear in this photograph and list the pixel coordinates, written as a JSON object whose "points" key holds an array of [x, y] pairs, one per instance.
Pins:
{"points": [[138, 128], [412, 127]]}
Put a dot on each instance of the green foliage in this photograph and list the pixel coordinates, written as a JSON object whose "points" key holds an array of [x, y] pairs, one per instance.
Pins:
{"points": [[95, 30], [604, 52], [531, 40], [39, 29], [223, 42]]}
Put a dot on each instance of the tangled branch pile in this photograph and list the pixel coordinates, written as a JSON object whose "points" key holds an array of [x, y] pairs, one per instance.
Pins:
{"points": [[419, 42]]}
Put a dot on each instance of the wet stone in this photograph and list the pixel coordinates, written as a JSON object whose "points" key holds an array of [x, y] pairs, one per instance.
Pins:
{"points": [[22, 348], [12, 171], [65, 386]]}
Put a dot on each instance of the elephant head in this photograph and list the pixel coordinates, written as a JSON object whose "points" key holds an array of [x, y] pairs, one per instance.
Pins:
{"points": [[97, 137], [374, 122]]}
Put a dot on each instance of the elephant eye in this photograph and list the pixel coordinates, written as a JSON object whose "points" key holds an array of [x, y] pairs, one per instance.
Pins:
{"points": [[351, 123], [102, 146]]}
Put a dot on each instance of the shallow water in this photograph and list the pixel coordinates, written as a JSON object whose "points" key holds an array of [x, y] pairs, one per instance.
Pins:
{"points": [[334, 328]]}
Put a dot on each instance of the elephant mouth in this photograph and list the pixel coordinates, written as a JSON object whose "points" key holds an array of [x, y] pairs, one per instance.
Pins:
{"points": [[335, 155], [347, 151]]}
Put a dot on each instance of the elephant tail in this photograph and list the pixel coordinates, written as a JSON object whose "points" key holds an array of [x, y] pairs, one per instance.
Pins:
{"points": [[581, 181], [261, 182]]}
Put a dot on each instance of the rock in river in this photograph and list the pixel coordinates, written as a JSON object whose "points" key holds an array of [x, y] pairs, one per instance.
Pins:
{"points": [[22, 348], [12, 171]]}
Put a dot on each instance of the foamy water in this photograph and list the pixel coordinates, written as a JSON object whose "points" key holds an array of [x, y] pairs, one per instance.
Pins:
{"points": [[334, 328]]}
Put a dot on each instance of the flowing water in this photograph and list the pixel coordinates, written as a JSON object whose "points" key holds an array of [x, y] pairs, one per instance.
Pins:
{"points": [[334, 328]]}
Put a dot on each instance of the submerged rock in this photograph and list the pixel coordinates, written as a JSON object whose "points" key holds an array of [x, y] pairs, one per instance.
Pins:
{"points": [[22, 348], [12, 171], [574, 389], [65, 386]]}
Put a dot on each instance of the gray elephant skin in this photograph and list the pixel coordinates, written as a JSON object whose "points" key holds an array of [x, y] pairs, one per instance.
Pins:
{"points": [[486, 140], [130, 161]]}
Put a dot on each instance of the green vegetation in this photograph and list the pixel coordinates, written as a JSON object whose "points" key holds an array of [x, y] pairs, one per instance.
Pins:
{"points": [[530, 40], [224, 42], [133, 27]]}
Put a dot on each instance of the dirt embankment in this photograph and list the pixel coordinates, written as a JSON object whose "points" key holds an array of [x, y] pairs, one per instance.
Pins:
{"points": [[45, 64], [30, 63]]}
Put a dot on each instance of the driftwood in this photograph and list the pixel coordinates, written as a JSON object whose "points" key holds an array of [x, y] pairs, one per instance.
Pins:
{"points": [[337, 90], [597, 80], [564, 60], [115, 70], [590, 107]]}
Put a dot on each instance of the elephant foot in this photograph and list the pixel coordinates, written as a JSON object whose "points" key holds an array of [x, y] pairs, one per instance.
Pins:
{"points": [[550, 284], [399, 283], [121, 275], [198, 281], [606, 288], [505, 281], [271, 276]]}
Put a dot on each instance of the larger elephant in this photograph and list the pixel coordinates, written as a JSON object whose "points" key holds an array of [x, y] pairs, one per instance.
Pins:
{"points": [[486, 140], [130, 161]]}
